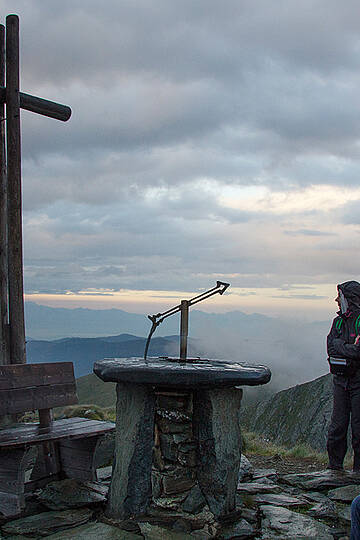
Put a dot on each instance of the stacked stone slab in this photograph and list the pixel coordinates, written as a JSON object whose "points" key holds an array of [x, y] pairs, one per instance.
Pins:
{"points": [[174, 463], [197, 450]]}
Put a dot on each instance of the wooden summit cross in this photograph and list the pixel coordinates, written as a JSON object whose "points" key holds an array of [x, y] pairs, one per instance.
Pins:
{"points": [[12, 325]]}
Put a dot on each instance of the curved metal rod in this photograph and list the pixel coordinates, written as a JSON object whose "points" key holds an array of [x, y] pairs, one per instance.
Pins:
{"points": [[219, 288]]}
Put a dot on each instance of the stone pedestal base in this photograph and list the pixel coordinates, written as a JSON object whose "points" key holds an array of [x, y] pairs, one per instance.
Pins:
{"points": [[130, 489], [194, 460], [216, 428]]}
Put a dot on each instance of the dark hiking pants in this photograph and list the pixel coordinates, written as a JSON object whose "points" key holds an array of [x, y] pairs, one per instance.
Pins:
{"points": [[346, 408]]}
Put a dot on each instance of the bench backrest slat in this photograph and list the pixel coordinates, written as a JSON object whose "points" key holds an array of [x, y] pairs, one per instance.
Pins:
{"points": [[24, 375], [27, 387]]}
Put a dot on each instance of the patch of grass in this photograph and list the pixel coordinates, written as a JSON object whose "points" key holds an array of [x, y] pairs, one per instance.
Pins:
{"points": [[253, 443], [94, 412]]}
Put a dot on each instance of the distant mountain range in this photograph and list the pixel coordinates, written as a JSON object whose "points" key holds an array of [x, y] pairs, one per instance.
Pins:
{"points": [[83, 352], [294, 350]]}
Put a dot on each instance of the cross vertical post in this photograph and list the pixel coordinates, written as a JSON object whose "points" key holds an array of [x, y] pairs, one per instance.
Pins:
{"points": [[12, 321], [15, 250], [4, 322]]}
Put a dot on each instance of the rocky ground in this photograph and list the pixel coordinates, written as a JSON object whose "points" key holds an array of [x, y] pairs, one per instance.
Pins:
{"points": [[276, 498]]}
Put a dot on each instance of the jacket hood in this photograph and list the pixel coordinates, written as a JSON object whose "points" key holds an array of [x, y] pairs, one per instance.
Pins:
{"points": [[351, 291]]}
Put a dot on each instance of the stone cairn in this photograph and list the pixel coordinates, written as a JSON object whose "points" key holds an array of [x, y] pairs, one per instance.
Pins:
{"points": [[173, 478]]}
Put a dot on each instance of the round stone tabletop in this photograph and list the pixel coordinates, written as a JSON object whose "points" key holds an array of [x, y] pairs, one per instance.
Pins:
{"points": [[170, 372]]}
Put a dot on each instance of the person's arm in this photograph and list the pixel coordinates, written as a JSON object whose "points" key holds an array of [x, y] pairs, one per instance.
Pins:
{"points": [[333, 334], [337, 346], [348, 350]]}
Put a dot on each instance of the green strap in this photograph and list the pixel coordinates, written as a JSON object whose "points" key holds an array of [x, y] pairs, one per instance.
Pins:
{"points": [[357, 325], [339, 323]]}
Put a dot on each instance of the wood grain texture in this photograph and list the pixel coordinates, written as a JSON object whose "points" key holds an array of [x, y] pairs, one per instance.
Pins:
{"points": [[4, 327], [25, 375], [15, 250], [69, 428]]}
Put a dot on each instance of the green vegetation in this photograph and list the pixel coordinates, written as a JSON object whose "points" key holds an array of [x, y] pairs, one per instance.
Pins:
{"points": [[94, 412], [91, 389], [254, 444]]}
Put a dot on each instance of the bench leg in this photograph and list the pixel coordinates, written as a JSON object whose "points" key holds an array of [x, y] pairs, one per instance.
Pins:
{"points": [[77, 457], [47, 465], [13, 464]]}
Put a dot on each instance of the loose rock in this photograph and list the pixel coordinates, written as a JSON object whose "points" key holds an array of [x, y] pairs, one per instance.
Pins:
{"points": [[48, 522], [95, 531], [71, 494], [288, 524]]}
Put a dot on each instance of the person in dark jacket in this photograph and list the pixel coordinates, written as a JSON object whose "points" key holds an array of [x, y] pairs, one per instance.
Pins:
{"points": [[343, 345]]}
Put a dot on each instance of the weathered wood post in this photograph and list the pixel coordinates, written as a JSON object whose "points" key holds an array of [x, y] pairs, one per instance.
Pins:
{"points": [[12, 323], [4, 326], [15, 250]]}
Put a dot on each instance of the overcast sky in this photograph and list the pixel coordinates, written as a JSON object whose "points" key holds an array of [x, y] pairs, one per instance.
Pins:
{"points": [[208, 140]]}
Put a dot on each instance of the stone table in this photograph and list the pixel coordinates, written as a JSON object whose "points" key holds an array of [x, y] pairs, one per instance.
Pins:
{"points": [[215, 398]]}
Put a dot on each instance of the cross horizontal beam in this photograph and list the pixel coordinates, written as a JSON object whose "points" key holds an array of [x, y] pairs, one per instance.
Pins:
{"points": [[40, 106]]}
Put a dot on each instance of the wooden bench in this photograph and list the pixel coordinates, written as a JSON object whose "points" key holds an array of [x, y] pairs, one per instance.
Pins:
{"points": [[66, 447]]}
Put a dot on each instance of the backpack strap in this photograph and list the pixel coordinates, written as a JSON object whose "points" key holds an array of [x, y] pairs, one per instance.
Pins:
{"points": [[357, 325], [340, 321]]}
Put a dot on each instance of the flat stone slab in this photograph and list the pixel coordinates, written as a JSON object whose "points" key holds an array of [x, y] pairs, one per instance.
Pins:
{"points": [[47, 523], [95, 531], [171, 373], [344, 494], [154, 532], [284, 523], [320, 481], [260, 474], [71, 493], [241, 530], [252, 488], [279, 499]]}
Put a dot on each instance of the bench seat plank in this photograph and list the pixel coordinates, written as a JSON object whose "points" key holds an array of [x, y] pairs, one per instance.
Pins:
{"points": [[67, 428]]}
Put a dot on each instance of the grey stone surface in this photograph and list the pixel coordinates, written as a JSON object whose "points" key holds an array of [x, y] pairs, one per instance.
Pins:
{"points": [[95, 531], [246, 469], [178, 480], [344, 512], [251, 488], [173, 373], [323, 510], [241, 530], [344, 494], [168, 447], [105, 450], [216, 427], [319, 481], [284, 523], [47, 523], [70, 493], [104, 473], [130, 488], [181, 525], [171, 503], [206, 533], [154, 532], [259, 474], [194, 502], [279, 499]]}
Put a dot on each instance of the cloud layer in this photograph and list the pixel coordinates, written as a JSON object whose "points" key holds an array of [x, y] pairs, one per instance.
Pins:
{"points": [[206, 139]]}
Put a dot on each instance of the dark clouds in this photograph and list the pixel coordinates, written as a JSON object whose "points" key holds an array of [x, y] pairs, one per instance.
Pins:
{"points": [[188, 120]]}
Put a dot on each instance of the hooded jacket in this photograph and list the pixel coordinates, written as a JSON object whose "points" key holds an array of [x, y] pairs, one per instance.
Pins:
{"points": [[345, 327]]}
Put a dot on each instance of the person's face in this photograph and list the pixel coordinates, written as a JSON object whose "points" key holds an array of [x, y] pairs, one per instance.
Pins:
{"points": [[337, 300]]}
